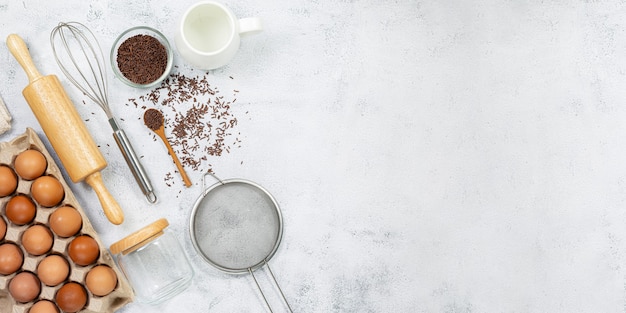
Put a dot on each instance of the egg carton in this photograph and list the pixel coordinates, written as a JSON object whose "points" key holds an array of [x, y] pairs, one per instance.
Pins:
{"points": [[123, 292]]}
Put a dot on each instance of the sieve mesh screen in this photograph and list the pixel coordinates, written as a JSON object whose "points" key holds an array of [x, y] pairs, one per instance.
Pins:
{"points": [[236, 226]]}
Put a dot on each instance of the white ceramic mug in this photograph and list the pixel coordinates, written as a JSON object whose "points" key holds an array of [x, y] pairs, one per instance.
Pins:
{"points": [[209, 34]]}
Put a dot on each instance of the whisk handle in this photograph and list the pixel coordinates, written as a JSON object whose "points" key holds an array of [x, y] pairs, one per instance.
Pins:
{"points": [[133, 162], [18, 48]]}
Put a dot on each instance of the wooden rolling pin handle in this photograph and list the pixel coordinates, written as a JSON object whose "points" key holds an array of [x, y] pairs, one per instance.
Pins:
{"points": [[112, 210], [18, 48]]}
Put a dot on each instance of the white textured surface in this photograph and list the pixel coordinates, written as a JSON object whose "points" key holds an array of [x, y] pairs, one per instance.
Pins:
{"points": [[428, 156]]}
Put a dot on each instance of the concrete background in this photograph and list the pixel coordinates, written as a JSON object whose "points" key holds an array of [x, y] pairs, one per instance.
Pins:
{"points": [[428, 156]]}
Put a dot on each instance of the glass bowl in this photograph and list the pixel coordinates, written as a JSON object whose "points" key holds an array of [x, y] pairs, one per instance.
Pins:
{"points": [[141, 59]]}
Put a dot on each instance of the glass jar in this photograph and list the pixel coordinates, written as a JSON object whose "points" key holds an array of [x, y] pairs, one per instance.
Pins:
{"points": [[154, 263]]}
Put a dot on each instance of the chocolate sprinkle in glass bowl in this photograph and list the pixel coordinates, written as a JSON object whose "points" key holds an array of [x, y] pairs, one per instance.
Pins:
{"points": [[147, 60]]}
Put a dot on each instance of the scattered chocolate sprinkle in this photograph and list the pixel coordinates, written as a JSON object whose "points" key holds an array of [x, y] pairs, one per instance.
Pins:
{"points": [[200, 120]]}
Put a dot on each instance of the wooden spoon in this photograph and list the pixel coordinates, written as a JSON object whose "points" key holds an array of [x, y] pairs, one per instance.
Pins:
{"points": [[153, 118]]}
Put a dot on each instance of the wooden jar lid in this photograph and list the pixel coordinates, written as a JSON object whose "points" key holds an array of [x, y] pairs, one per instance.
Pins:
{"points": [[139, 238]]}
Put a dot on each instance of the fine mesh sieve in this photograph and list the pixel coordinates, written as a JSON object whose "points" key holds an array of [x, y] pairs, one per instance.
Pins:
{"points": [[236, 226]]}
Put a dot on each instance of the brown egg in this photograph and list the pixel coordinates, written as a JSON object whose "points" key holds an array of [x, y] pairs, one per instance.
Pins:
{"points": [[53, 270], [3, 228], [44, 306], [24, 287], [37, 239], [83, 250], [101, 280], [30, 164], [11, 258], [65, 221], [8, 181], [21, 210], [47, 191], [71, 298]]}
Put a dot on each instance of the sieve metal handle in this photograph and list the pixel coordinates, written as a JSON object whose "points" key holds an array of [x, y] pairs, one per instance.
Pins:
{"points": [[205, 185], [275, 283]]}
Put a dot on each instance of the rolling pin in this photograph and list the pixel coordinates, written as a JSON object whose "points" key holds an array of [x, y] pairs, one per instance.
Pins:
{"points": [[64, 128]]}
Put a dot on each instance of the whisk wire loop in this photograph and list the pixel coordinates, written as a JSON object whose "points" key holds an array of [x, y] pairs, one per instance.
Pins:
{"points": [[93, 84]]}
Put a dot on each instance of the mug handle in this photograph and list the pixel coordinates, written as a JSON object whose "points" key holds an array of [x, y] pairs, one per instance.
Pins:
{"points": [[250, 26]]}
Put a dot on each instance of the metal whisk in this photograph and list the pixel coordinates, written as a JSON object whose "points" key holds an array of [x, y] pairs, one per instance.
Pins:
{"points": [[80, 49]]}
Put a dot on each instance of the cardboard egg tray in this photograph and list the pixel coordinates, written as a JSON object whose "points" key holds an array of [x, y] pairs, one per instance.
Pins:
{"points": [[122, 294]]}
